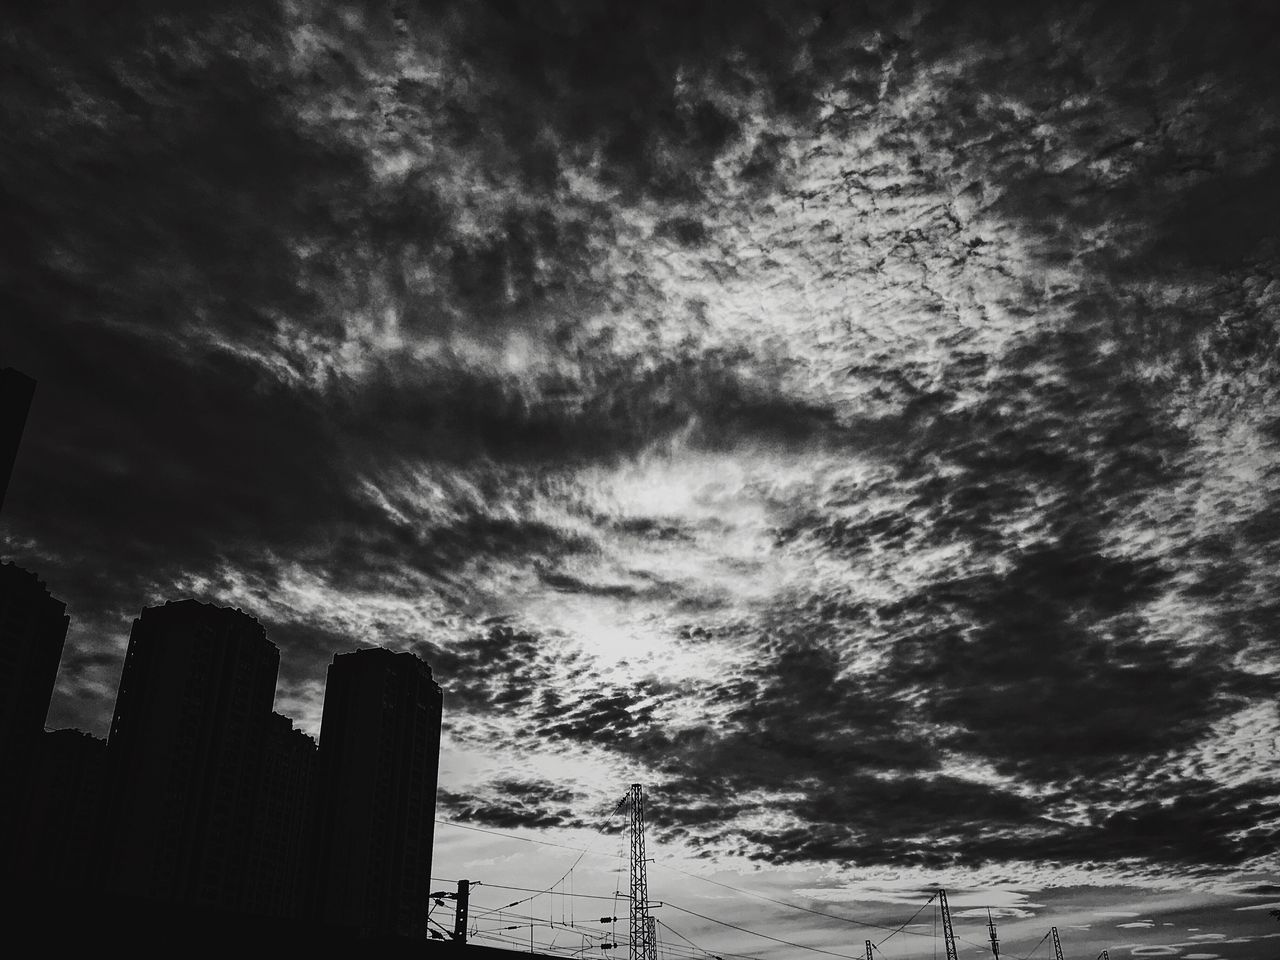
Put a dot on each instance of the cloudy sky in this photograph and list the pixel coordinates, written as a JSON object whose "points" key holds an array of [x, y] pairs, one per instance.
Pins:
{"points": [[857, 422]]}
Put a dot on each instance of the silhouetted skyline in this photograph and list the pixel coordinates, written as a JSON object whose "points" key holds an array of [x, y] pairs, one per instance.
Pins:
{"points": [[205, 799]]}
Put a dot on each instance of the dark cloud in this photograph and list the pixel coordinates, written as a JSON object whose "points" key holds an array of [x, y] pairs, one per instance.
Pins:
{"points": [[614, 717], [513, 803], [504, 669], [1050, 640], [280, 291]]}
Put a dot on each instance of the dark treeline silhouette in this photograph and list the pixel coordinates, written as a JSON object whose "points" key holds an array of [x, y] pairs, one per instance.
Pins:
{"points": [[206, 820]]}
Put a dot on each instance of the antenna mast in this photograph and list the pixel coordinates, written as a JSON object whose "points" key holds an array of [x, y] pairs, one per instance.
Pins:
{"points": [[947, 935], [991, 931], [1057, 944], [644, 944]]}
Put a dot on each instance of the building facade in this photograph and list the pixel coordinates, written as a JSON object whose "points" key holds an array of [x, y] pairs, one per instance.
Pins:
{"points": [[379, 759], [185, 754], [283, 822], [16, 391], [64, 812], [33, 628]]}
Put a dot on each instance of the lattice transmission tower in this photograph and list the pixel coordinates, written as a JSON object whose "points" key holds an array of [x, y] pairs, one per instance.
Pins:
{"points": [[948, 936], [644, 942]]}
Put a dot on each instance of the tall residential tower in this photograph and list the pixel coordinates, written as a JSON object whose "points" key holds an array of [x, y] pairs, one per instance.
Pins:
{"points": [[33, 628], [379, 757], [185, 754]]}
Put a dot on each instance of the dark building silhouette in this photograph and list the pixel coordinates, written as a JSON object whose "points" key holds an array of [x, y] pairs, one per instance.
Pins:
{"points": [[33, 628], [379, 757], [64, 806], [16, 391], [283, 821], [185, 754]]}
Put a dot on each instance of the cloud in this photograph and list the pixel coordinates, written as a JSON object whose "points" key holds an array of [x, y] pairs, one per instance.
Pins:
{"points": [[508, 804], [860, 423]]}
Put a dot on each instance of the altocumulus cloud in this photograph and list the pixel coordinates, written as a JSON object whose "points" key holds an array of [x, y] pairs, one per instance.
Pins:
{"points": [[860, 422]]}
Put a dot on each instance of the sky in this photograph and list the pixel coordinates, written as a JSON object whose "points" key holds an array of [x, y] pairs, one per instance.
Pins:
{"points": [[858, 423]]}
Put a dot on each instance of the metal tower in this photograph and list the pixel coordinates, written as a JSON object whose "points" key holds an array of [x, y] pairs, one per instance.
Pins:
{"points": [[644, 945], [1104, 955], [1057, 944], [948, 936], [991, 932], [868, 950]]}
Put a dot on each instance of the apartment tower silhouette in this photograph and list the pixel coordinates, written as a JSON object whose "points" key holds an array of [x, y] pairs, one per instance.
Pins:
{"points": [[379, 757], [33, 628], [185, 754], [282, 823], [16, 391]]}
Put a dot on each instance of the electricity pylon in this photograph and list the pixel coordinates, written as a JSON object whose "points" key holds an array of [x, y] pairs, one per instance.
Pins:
{"points": [[1057, 944], [991, 930], [948, 936], [644, 944]]}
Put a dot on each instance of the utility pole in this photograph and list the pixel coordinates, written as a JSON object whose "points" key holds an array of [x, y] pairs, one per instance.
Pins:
{"points": [[949, 937], [644, 945], [991, 930], [460, 911], [1057, 944]]}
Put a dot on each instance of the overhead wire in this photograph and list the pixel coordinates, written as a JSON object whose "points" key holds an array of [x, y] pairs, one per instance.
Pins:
{"points": [[793, 906], [513, 836], [756, 933], [583, 852], [1038, 945], [678, 950], [912, 917], [721, 953], [580, 896]]}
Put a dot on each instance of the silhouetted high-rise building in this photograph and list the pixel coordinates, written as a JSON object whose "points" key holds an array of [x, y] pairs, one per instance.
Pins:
{"points": [[33, 628], [282, 825], [64, 806], [379, 757], [16, 390], [185, 754]]}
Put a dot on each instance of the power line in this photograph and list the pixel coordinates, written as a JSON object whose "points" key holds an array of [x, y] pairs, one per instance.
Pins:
{"points": [[794, 906], [583, 851], [581, 854], [675, 949], [512, 836], [912, 917], [1035, 948], [580, 896], [764, 936]]}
